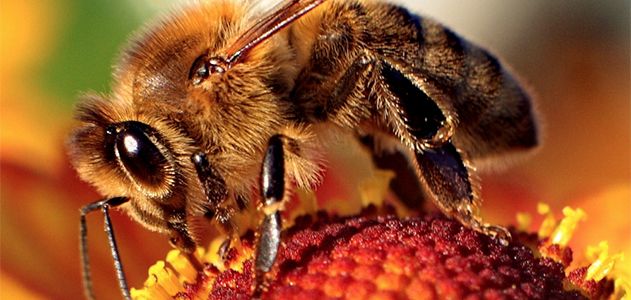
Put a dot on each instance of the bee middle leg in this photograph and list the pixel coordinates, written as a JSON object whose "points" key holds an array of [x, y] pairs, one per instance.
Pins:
{"points": [[272, 192]]}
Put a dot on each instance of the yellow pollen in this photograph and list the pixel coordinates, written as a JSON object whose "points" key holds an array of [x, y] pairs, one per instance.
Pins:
{"points": [[165, 277], [212, 255], [549, 222], [373, 190], [524, 220], [183, 266], [308, 206], [603, 263], [622, 288], [162, 283], [563, 233]]}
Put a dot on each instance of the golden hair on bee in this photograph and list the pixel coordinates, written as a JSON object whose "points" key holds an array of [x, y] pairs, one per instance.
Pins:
{"points": [[220, 99]]}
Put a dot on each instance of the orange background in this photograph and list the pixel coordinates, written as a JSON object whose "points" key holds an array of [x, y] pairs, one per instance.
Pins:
{"points": [[575, 57]]}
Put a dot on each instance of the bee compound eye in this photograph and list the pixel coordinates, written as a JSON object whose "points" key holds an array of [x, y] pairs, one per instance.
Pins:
{"points": [[140, 156]]}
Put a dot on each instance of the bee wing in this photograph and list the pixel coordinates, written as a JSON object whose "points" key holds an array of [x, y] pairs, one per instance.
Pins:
{"points": [[275, 19]]}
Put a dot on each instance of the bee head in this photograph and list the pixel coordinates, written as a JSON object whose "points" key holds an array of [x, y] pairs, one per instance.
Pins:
{"points": [[173, 97]]}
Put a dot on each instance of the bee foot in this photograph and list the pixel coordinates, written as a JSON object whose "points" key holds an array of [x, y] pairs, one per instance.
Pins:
{"points": [[258, 286], [497, 232], [467, 216]]}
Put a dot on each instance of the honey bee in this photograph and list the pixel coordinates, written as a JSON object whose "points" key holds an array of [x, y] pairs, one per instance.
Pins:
{"points": [[218, 99]]}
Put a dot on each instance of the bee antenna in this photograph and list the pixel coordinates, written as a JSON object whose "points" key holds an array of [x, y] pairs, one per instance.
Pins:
{"points": [[276, 19]]}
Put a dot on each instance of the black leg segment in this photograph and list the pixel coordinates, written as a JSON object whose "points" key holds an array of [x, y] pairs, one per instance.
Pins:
{"points": [[104, 206], [273, 172], [212, 182], [446, 176], [216, 192], [269, 240], [452, 185], [272, 192]]}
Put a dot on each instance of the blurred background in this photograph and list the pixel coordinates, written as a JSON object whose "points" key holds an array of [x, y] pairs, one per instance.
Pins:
{"points": [[574, 55]]}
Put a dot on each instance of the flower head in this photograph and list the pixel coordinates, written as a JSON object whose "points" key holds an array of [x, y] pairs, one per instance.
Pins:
{"points": [[389, 257]]}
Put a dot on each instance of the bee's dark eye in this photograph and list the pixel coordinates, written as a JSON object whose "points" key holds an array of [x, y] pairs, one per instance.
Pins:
{"points": [[139, 155]]}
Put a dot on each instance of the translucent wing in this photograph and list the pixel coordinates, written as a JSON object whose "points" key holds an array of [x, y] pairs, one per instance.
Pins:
{"points": [[273, 20]]}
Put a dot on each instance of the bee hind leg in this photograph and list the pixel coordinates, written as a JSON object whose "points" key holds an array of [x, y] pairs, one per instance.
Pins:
{"points": [[452, 184], [426, 126], [272, 192]]}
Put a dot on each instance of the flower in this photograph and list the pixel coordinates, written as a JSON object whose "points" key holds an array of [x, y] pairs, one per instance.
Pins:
{"points": [[385, 256]]}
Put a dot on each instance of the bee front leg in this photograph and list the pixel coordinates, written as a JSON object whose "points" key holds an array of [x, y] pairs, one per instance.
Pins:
{"points": [[216, 193], [272, 192]]}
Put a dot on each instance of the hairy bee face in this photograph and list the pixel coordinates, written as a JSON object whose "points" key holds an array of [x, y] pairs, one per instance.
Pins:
{"points": [[168, 102]]}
